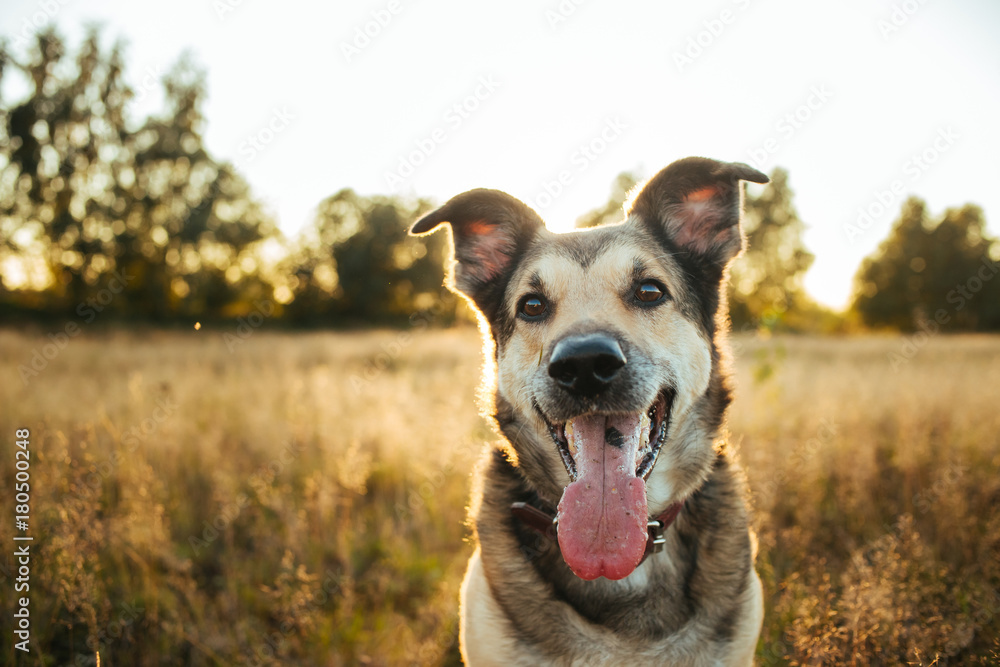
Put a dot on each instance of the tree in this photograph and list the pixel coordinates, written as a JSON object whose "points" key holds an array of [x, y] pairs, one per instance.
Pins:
{"points": [[940, 269], [612, 211], [358, 264], [192, 224], [765, 287], [144, 211], [53, 164]]}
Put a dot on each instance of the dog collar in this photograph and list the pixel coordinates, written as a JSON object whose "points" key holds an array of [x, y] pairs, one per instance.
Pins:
{"points": [[546, 523]]}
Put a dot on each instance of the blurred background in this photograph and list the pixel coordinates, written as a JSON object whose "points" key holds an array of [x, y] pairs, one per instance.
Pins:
{"points": [[251, 398]]}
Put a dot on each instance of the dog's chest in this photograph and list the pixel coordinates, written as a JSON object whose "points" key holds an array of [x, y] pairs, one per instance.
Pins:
{"points": [[491, 637], [690, 604]]}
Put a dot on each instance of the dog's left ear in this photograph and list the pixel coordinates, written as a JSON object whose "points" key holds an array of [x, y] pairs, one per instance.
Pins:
{"points": [[489, 229], [696, 203]]}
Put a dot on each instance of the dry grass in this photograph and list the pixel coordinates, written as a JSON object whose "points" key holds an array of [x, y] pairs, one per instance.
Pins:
{"points": [[288, 502]]}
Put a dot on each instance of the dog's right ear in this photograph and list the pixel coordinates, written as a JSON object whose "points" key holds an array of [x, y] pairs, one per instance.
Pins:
{"points": [[489, 228]]}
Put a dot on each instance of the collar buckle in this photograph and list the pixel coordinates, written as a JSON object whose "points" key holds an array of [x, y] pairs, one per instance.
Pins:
{"points": [[657, 538]]}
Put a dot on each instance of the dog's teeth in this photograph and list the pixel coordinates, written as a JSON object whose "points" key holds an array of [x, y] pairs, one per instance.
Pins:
{"points": [[571, 444]]}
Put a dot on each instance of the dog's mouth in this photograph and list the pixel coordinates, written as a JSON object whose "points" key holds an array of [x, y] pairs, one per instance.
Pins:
{"points": [[602, 516], [653, 426]]}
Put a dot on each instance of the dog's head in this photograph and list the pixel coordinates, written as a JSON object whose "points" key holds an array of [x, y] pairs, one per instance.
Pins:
{"points": [[606, 347]]}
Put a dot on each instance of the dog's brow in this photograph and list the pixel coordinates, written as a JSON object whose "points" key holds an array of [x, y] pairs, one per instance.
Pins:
{"points": [[583, 250], [668, 255], [639, 270], [535, 282], [668, 259]]}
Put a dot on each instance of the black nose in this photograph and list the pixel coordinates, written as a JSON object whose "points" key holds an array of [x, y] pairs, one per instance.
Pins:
{"points": [[586, 365]]}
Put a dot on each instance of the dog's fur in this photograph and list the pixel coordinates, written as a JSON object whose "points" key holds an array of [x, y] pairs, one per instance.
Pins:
{"points": [[699, 601]]}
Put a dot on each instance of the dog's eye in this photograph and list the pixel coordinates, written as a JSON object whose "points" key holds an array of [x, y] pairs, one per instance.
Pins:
{"points": [[532, 307], [649, 292]]}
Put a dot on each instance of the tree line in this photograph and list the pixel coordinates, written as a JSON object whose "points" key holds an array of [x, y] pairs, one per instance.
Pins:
{"points": [[102, 216]]}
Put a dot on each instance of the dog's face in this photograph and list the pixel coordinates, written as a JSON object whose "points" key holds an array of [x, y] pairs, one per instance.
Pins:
{"points": [[607, 367]]}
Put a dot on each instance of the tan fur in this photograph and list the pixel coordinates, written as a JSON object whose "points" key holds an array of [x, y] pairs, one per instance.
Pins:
{"points": [[590, 297], [487, 636], [699, 601]]}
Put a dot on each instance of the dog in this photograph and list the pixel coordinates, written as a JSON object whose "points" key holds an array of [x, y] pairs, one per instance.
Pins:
{"points": [[611, 519]]}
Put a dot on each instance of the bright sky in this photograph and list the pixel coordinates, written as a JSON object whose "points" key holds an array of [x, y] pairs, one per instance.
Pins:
{"points": [[849, 97]]}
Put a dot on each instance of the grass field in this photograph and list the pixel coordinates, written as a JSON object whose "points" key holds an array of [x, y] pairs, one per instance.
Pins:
{"points": [[298, 499]]}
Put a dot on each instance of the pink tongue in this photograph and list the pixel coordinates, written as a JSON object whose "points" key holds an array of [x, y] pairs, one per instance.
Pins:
{"points": [[602, 515]]}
